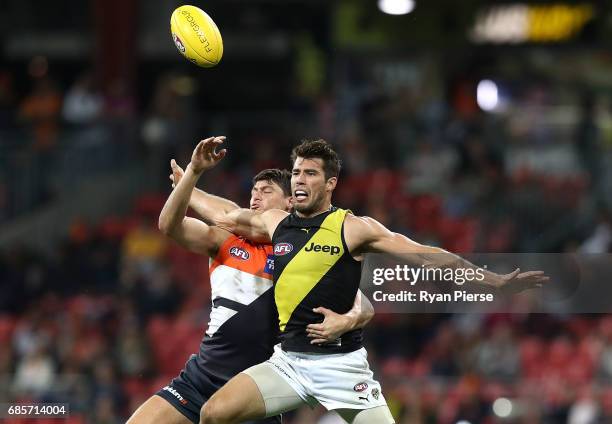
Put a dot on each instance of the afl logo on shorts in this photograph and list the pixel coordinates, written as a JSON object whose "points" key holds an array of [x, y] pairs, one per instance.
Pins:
{"points": [[360, 387], [281, 249], [239, 253]]}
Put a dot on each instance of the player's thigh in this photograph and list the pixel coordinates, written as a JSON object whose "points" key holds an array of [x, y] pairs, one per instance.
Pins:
{"points": [[157, 410], [378, 415], [277, 394], [238, 400]]}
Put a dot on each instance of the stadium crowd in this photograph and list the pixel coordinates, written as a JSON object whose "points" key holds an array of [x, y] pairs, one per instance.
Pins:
{"points": [[113, 314]]}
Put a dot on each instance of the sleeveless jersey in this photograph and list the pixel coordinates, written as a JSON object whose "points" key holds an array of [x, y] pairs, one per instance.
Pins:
{"points": [[243, 325], [313, 267]]}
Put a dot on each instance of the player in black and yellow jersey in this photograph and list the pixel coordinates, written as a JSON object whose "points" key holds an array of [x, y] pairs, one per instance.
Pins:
{"points": [[242, 329], [317, 251]]}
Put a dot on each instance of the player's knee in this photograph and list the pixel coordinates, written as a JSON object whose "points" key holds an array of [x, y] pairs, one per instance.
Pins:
{"points": [[211, 413]]}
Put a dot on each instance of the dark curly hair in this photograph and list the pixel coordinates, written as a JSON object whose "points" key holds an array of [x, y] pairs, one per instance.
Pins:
{"points": [[321, 149], [280, 177]]}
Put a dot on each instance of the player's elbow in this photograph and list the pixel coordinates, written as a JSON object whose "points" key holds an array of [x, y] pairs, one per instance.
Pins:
{"points": [[165, 225]]}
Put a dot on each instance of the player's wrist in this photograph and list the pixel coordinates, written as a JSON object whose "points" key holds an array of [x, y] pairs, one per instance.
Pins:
{"points": [[351, 321], [494, 280], [195, 169]]}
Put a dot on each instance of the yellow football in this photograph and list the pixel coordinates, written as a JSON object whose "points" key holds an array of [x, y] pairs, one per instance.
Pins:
{"points": [[196, 36]]}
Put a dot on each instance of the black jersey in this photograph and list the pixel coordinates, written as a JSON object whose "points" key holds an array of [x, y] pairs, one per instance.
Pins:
{"points": [[313, 267]]}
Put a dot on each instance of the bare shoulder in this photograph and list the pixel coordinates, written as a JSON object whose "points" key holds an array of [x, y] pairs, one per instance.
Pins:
{"points": [[363, 224], [275, 214], [360, 231], [273, 217]]}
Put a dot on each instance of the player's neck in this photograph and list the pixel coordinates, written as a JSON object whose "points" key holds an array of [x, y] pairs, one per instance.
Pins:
{"points": [[326, 207]]}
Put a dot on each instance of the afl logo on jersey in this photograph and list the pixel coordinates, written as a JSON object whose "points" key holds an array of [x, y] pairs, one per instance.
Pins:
{"points": [[281, 249], [239, 253]]}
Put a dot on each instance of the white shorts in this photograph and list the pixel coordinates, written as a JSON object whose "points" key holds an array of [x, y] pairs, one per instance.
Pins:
{"points": [[341, 380]]}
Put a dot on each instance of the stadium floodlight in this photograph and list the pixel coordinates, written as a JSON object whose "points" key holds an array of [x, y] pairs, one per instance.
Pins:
{"points": [[502, 407], [487, 95], [396, 7]]}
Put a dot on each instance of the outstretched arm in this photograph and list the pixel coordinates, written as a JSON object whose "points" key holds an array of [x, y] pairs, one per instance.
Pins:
{"points": [[253, 225], [366, 235], [208, 206], [335, 325], [190, 233]]}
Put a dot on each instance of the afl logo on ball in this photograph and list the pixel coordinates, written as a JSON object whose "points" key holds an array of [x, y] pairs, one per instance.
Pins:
{"points": [[179, 43], [239, 253], [281, 249], [360, 387]]}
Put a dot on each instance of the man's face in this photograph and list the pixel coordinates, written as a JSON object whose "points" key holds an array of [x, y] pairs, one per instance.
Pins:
{"points": [[309, 186], [267, 195]]}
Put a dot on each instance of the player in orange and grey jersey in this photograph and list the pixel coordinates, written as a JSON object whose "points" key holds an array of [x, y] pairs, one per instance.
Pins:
{"points": [[243, 326]]}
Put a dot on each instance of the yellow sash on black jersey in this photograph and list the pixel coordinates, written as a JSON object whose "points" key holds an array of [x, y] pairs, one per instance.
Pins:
{"points": [[306, 269]]}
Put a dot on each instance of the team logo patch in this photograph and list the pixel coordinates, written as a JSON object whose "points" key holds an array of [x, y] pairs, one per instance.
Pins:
{"points": [[360, 387], [178, 42], [375, 393], [239, 253], [269, 268], [281, 249], [176, 394], [332, 250]]}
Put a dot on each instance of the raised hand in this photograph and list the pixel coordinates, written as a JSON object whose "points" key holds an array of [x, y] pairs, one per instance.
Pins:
{"points": [[177, 173], [205, 156]]}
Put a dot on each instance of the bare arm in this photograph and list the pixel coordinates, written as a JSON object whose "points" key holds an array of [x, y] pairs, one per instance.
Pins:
{"points": [[335, 325], [208, 206], [253, 225], [366, 235], [190, 233]]}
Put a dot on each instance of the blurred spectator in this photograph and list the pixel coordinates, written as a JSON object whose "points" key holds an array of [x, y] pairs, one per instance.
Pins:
{"points": [[587, 139], [132, 350], [35, 373], [83, 104], [119, 102], [164, 128], [584, 410], [430, 167], [600, 241], [105, 384], [497, 357], [105, 411], [142, 248], [7, 101], [40, 110]]}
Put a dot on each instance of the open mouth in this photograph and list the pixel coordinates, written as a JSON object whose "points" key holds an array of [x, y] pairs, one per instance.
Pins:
{"points": [[300, 195]]}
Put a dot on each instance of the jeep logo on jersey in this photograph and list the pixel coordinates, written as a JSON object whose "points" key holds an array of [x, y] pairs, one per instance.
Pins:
{"points": [[332, 250], [360, 387], [281, 249], [239, 253]]}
